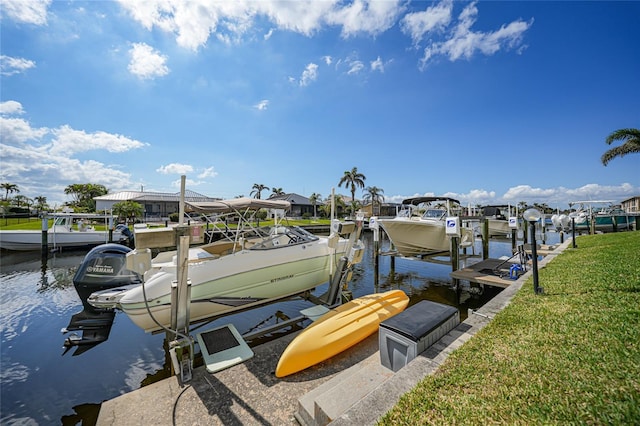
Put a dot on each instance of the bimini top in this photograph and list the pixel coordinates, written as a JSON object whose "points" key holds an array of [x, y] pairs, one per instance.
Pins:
{"points": [[236, 204], [418, 200]]}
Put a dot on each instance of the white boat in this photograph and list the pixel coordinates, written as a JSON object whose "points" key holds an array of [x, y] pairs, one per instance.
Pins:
{"points": [[248, 267], [592, 218], [419, 228], [69, 230], [498, 218]]}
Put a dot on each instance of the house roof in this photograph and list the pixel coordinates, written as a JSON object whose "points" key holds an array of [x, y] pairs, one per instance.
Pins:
{"points": [[292, 198], [154, 196]]}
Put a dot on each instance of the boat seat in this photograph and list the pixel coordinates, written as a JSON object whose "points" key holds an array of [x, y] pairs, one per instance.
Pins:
{"points": [[221, 248]]}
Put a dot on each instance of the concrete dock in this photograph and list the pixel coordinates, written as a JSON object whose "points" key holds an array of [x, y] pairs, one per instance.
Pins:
{"points": [[352, 388]]}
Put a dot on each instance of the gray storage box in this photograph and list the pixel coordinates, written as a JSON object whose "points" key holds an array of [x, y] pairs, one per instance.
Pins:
{"points": [[404, 336]]}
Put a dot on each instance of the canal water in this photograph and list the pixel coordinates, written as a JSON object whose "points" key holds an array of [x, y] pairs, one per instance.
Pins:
{"points": [[41, 382]]}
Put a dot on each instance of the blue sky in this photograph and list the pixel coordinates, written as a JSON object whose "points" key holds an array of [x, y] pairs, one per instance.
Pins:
{"points": [[487, 102]]}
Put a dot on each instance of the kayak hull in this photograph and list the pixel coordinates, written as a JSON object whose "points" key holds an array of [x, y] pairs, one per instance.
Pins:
{"points": [[340, 329]]}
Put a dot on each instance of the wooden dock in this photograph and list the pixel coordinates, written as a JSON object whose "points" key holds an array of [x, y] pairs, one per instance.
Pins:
{"points": [[493, 272]]}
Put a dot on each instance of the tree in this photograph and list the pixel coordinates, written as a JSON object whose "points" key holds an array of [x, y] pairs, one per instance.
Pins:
{"points": [[9, 188], [374, 194], [352, 179], [257, 190], [326, 207], [276, 192], [83, 194], [41, 203], [128, 210], [20, 200], [314, 198], [631, 144]]}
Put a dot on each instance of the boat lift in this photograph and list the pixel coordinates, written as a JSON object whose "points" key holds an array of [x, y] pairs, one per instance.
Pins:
{"points": [[223, 346]]}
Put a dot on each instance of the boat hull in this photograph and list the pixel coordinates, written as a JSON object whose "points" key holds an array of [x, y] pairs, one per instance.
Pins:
{"points": [[340, 329], [32, 240], [237, 281], [418, 237], [499, 228]]}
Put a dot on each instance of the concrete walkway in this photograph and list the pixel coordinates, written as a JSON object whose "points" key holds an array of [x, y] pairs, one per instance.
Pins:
{"points": [[349, 389]]}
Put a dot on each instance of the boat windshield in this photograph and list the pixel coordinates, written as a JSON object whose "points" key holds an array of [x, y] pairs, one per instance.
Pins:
{"points": [[434, 214], [280, 236]]}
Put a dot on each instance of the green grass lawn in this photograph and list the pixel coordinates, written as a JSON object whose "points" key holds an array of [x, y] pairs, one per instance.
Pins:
{"points": [[570, 356]]}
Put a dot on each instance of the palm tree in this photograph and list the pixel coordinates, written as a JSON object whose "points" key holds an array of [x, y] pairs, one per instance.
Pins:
{"points": [[83, 194], [21, 200], [128, 210], [257, 190], [631, 138], [353, 179], [9, 188], [374, 194], [41, 203], [314, 200], [276, 191], [326, 207]]}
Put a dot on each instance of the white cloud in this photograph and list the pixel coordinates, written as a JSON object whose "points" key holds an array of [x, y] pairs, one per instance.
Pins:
{"points": [[462, 42], [355, 67], [10, 66], [41, 160], [19, 131], [208, 172], [262, 105], [28, 12], [11, 108], [193, 22], [68, 141], [362, 16], [558, 197], [435, 18], [147, 63], [309, 74], [377, 65], [327, 59], [189, 183], [175, 168]]}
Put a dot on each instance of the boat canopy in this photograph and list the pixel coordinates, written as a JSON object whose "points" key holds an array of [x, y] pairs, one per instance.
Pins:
{"points": [[236, 204], [418, 200]]}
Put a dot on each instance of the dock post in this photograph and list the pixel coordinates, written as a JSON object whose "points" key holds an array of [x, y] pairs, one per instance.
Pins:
{"points": [[376, 256], [485, 239], [455, 257], [45, 237], [573, 232]]}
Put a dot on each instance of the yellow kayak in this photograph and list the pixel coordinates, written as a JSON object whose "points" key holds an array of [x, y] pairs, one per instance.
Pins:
{"points": [[339, 329]]}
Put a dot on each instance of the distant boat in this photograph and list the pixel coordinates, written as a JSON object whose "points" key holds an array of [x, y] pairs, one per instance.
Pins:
{"points": [[586, 217], [498, 217], [250, 266], [69, 230], [419, 228]]}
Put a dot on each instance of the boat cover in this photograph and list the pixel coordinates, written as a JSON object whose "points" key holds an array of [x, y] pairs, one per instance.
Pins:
{"points": [[417, 200], [235, 204]]}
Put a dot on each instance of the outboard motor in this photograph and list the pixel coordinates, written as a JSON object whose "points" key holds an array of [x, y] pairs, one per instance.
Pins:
{"points": [[104, 267], [129, 239]]}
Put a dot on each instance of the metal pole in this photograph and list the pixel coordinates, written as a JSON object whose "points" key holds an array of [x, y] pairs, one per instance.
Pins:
{"points": [[534, 260], [573, 231]]}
